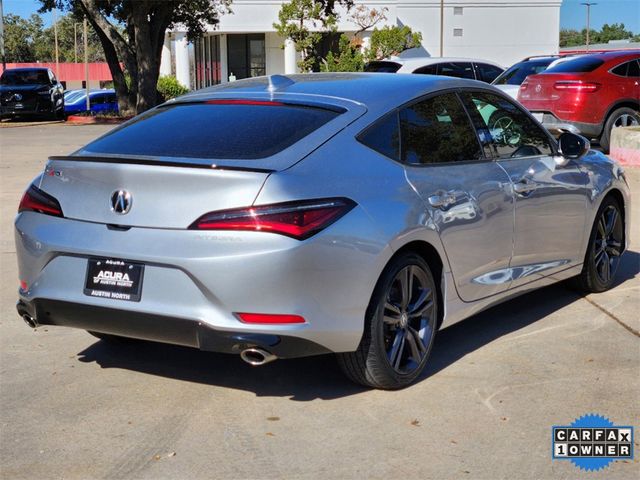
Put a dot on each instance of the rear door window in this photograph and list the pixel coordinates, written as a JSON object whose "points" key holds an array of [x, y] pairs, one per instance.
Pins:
{"points": [[456, 69], [437, 130], [427, 70], [487, 73], [627, 69], [223, 129]]}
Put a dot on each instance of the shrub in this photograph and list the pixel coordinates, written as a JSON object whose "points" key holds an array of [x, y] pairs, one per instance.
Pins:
{"points": [[169, 87]]}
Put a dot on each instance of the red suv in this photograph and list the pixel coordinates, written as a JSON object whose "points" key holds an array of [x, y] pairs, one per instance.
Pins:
{"points": [[589, 95]]}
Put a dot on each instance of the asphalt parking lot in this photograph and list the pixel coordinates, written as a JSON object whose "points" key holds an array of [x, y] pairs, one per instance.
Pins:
{"points": [[72, 406]]}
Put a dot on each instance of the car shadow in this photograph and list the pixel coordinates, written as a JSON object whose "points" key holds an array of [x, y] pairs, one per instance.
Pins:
{"points": [[311, 378]]}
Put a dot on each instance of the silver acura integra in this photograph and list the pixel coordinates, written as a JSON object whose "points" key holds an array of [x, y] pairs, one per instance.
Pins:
{"points": [[307, 214]]}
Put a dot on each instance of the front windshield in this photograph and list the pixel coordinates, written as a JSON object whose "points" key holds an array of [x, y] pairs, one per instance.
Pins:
{"points": [[517, 73], [24, 77]]}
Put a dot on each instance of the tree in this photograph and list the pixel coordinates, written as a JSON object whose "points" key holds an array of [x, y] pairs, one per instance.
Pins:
{"points": [[136, 48], [68, 41], [21, 37], [389, 41], [616, 31], [349, 58], [366, 18], [303, 22]]}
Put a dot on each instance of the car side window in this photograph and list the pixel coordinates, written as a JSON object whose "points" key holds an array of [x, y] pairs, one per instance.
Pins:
{"points": [[487, 73], [509, 131], [383, 136], [437, 130], [427, 70], [627, 69], [456, 69]]}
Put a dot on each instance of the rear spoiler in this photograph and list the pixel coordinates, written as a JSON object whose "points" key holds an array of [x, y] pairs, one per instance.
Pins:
{"points": [[176, 162]]}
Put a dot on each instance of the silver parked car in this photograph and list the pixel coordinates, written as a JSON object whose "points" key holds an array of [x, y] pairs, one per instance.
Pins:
{"points": [[300, 215]]}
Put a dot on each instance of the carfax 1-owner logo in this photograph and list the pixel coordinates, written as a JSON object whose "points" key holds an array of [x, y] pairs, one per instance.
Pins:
{"points": [[592, 442]]}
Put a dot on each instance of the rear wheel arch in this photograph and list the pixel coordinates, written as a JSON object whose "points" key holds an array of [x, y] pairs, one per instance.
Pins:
{"points": [[433, 258]]}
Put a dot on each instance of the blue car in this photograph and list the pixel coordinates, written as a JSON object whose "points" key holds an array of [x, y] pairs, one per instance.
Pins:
{"points": [[100, 101]]}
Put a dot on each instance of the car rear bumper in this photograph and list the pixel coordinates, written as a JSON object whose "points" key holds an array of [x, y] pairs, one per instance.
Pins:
{"points": [[160, 328], [556, 125], [196, 281]]}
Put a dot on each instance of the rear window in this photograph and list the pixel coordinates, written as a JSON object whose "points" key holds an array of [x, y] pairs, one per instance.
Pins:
{"points": [[516, 74], [578, 65], [382, 67], [214, 130]]}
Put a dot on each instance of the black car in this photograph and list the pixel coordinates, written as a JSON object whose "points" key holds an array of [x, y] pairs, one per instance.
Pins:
{"points": [[30, 91]]}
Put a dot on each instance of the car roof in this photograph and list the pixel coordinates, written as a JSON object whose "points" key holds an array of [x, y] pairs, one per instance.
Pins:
{"points": [[23, 69], [417, 62], [376, 91]]}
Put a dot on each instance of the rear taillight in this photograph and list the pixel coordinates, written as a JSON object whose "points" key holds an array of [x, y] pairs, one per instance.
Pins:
{"points": [[299, 220], [524, 85], [35, 200], [576, 86]]}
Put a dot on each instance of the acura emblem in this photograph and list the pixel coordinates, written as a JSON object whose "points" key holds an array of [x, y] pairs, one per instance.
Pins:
{"points": [[121, 202]]}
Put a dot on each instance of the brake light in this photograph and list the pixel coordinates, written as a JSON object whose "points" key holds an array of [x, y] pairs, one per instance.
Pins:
{"points": [[299, 220], [35, 200], [524, 85], [234, 101], [577, 86], [268, 318]]}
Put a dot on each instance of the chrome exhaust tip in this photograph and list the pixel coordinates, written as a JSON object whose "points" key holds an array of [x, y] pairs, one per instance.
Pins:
{"points": [[257, 356], [29, 320]]}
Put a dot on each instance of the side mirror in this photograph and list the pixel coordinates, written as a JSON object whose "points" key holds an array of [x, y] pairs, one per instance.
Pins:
{"points": [[572, 145]]}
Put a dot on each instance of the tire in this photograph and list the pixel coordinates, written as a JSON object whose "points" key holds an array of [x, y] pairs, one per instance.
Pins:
{"points": [[399, 328], [622, 117], [604, 250]]}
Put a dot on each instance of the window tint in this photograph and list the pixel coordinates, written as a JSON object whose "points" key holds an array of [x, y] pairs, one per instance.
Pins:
{"points": [[24, 77], [382, 67], [427, 70], [437, 130], [487, 73], [383, 136], [516, 74], [509, 131], [577, 65], [458, 70], [226, 131], [627, 69]]}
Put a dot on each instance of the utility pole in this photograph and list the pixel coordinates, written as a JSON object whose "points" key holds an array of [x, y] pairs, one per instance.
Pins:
{"points": [[55, 37], [441, 28], [75, 41], [86, 63], [588, 5], [4, 58]]}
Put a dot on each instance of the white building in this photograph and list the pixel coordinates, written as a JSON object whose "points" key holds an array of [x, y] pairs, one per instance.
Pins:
{"points": [[245, 43]]}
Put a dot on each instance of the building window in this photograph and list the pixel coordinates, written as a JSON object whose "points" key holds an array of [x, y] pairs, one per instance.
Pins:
{"points": [[207, 61], [246, 55], [457, 10], [457, 32]]}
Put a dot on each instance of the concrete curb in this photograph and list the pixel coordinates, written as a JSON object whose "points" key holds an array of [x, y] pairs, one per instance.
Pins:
{"points": [[625, 146]]}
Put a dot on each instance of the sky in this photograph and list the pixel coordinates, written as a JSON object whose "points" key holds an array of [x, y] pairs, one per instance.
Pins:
{"points": [[572, 14]]}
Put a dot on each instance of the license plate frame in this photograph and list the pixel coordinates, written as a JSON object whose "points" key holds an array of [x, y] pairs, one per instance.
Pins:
{"points": [[114, 279]]}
